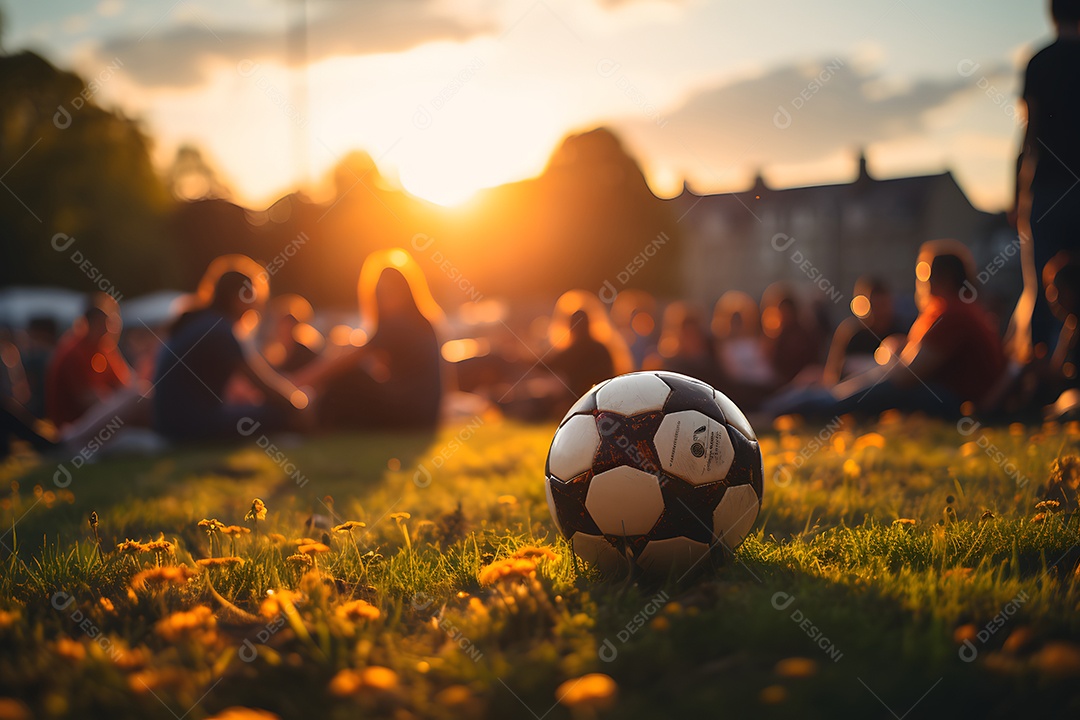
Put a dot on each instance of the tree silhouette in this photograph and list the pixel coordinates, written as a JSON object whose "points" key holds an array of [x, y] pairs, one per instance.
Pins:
{"points": [[71, 169]]}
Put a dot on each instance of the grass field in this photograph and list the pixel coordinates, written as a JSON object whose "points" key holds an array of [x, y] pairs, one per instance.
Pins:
{"points": [[830, 608]]}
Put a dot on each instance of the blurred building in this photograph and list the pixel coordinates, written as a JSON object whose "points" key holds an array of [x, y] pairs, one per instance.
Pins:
{"points": [[821, 238]]}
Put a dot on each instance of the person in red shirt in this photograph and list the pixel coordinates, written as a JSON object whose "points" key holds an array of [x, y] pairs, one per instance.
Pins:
{"points": [[87, 368], [952, 357]]}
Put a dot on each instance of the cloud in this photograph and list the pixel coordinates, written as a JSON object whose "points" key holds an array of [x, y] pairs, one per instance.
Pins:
{"points": [[176, 56], [797, 113]]}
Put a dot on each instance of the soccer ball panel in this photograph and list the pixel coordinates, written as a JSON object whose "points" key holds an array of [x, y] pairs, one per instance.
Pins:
{"points": [[574, 447], [597, 551], [735, 515], [625, 501], [690, 394], [734, 416], [694, 447], [632, 394], [585, 404], [675, 555]]}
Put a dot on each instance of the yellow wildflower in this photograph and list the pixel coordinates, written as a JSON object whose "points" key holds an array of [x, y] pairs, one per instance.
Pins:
{"points": [[277, 601], [161, 577], [70, 649], [197, 624], [220, 562], [243, 713], [356, 610], [348, 526], [535, 553], [316, 548], [130, 547], [257, 511], [595, 690], [508, 568]]}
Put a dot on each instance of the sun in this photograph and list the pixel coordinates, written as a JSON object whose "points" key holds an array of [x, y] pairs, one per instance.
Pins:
{"points": [[439, 185]]}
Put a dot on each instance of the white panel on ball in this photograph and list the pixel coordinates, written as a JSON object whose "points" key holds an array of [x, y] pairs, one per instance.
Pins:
{"points": [[676, 555], [735, 515], [694, 447], [597, 551], [624, 501], [735, 417], [574, 447], [632, 394]]}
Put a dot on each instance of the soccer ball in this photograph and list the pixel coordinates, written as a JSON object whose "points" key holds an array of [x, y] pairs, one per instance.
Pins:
{"points": [[654, 469]]}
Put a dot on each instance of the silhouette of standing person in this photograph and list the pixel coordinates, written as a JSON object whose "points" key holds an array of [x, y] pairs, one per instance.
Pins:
{"points": [[1048, 203]]}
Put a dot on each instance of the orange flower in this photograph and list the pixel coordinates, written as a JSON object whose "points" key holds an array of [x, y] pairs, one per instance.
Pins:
{"points": [[220, 562], [507, 569], [196, 624], [535, 553], [277, 601], [357, 610], [70, 649], [348, 526], [8, 618], [313, 549], [376, 678], [595, 690], [161, 577], [243, 713]]}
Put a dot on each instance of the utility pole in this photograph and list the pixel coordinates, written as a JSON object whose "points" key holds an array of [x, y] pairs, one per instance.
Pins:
{"points": [[298, 61]]}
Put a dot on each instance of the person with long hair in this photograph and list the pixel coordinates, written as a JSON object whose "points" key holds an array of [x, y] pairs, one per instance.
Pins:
{"points": [[393, 378], [207, 347]]}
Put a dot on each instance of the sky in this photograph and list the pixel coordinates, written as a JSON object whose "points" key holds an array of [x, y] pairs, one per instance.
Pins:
{"points": [[449, 96]]}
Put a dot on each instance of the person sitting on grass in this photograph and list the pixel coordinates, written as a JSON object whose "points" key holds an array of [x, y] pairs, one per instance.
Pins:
{"points": [[858, 337], [393, 381], [952, 358], [86, 368], [203, 353]]}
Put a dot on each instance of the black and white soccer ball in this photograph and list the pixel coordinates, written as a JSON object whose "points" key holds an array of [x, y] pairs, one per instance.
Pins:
{"points": [[655, 469]]}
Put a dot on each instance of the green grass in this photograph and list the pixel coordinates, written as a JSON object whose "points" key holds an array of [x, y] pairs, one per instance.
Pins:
{"points": [[869, 620]]}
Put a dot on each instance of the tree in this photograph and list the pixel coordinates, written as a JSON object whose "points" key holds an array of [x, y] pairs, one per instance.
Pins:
{"points": [[78, 186]]}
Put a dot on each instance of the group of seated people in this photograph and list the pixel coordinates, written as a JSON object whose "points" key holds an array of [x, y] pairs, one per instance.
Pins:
{"points": [[233, 354]]}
